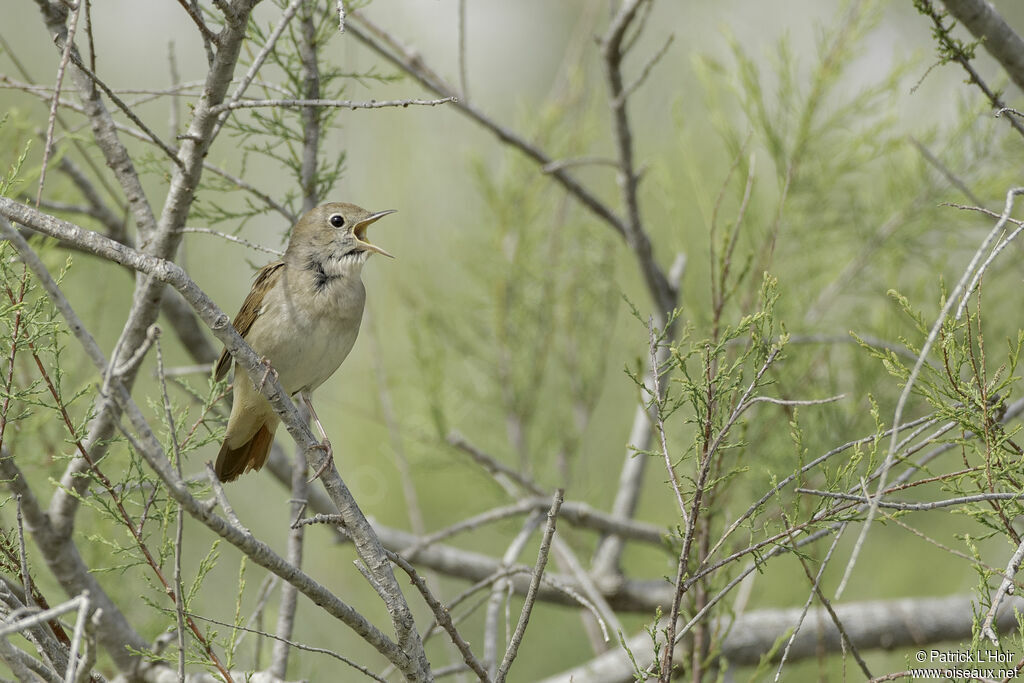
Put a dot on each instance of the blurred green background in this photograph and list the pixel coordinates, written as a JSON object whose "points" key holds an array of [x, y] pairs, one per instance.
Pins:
{"points": [[506, 299]]}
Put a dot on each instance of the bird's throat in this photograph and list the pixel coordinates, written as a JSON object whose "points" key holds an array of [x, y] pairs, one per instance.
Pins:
{"points": [[332, 269], [321, 278]]}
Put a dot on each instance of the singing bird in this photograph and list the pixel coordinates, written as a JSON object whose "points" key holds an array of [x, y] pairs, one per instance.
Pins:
{"points": [[302, 316]]}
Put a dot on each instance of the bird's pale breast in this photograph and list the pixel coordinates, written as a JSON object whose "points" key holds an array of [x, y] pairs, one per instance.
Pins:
{"points": [[306, 337]]}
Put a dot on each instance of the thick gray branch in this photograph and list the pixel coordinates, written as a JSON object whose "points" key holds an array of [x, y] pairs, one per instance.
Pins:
{"points": [[876, 625]]}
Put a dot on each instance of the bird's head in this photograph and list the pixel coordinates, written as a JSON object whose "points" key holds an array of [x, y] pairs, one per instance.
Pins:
{"points": [[333, 237]]}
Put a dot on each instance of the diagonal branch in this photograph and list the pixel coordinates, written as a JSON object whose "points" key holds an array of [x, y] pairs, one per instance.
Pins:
{"points": [[414, 662]]}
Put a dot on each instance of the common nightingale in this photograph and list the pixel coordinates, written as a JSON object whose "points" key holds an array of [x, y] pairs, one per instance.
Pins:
{"points": [[302, 316]]}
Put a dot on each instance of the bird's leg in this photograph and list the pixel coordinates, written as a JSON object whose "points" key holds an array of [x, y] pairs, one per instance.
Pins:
{"points": [[325, 444], [312, 412]]}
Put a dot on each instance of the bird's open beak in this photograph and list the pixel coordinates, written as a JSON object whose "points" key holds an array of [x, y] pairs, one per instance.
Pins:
{"points": [[360, 232]]}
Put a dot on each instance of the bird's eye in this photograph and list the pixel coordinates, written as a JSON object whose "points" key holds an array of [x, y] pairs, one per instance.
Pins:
{"points": [[337, 220]]}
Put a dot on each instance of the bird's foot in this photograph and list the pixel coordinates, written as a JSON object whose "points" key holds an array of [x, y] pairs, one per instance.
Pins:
{"points": [[266, 373], [326, 447]]}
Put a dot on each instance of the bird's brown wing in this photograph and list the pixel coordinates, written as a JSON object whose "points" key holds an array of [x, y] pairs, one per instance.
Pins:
{"points": [[265, 281]]}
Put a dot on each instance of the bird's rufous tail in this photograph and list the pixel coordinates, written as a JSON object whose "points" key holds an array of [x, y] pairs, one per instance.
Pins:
{"points": [[232, 462]]}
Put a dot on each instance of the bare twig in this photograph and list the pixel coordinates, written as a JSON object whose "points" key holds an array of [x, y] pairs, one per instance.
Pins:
{"points": [[442, 616], [463, 72], [560, 164], [289, 594], [309, 116], [130, 365], [657, 399], [193, 13], [236, 240], [489, 463], [499, 590], [179, 592], [953, 179], [795, 402], [976, 279], [222, 499], [26, 579], [827, 604], [896, 505], [174, 124], [807, 605], [646, 70], [969, 272], [295, 644], [286, 16], [41, 617], [52, 119], [127, 111], [627, 495], [338, 104], [1005, 588], [595, 601], [661, 290], [72, 674], [531, 594]]}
